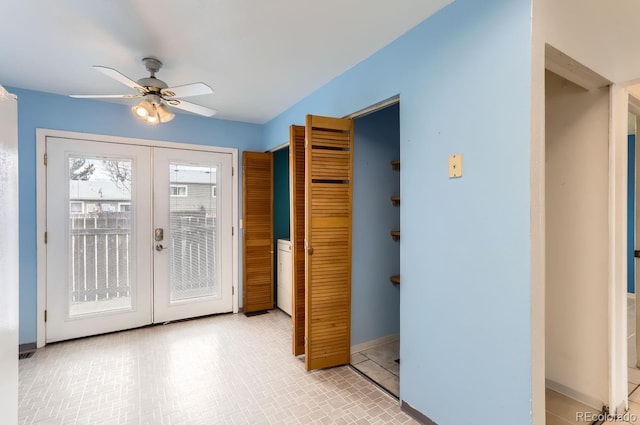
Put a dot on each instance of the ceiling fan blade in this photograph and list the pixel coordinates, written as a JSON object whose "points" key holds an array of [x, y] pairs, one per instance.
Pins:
{"points": [[193, 89], [110, 72], [105, 96], [192, 107]]}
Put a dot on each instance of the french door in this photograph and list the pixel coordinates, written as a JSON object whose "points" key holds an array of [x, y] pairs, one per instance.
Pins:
{"points": [[192, 234], [135, 235]]}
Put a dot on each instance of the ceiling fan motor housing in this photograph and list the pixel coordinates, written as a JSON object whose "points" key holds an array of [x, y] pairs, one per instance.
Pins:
{"points": [[151, 83], [153, 98]]}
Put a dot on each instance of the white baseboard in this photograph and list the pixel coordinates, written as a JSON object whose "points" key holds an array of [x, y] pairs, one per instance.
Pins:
{"points": [[576, 395], [374, 343], [631, 296]]}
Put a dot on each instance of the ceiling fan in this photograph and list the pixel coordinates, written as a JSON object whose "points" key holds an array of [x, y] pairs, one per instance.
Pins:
{"points": [[156, 94]]}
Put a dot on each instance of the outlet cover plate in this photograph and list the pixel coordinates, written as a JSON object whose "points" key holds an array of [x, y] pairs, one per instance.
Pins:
{"points": [[455, 165]]}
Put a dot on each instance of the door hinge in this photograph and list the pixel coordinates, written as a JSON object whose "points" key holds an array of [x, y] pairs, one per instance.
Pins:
{"points": [[233, 290], [46, 159], [46, 237], [45, 315], [233, 171], [233, 230]]}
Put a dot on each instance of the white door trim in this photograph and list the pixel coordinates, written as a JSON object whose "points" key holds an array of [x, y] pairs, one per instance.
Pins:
{"points": [[617, 282], [41, 199]]}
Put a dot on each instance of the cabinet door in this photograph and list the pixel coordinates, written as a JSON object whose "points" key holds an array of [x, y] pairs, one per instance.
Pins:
{"points": [[280, 290], [284, 274]]}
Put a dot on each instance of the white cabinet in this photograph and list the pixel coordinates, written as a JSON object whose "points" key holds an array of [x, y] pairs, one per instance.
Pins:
{"points": [[285, 275]]}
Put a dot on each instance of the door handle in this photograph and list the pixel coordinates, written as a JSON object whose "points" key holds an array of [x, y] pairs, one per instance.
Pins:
{"points": [[308, 248], [159, 247]]}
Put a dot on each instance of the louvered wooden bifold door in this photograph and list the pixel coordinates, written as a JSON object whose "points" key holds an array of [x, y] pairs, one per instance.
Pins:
{"points": [[328, 202], [296, 161], [257, 247]]}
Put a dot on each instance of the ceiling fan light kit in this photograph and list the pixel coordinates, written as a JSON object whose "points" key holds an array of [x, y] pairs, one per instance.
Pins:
{"points": [[156, 94], [152, 111]]}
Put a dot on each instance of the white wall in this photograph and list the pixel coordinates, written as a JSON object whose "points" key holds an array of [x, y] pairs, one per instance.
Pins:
{"points": [[8, 260], [600, 36], [577, 240]]}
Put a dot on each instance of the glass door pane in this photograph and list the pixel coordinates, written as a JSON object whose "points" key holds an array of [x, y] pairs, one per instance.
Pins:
{"points": [[98, 225], [192, 222], [100, 234]]}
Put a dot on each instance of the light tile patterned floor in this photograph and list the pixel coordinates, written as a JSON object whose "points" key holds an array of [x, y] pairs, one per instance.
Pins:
{"points": [[226, 369], [380, 365], [561, 410]]}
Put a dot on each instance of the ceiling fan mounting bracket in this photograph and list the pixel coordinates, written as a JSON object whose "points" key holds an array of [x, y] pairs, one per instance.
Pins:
{"points": [[153, 65]]}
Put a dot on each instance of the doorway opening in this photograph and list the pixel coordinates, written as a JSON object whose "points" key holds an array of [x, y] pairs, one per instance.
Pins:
{"points": [[585, 235], [577, 247], [375, 281], [282, 267], [632, 230], [633, 252]]}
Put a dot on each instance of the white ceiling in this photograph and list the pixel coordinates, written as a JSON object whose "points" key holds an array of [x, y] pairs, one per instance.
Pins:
{"points": [[259, 56], [602, 35]]}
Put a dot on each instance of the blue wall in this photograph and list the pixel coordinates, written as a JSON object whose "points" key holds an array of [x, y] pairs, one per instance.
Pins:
{"points": [[375, 305], [631, 216], [43, 110], [464, 79]]}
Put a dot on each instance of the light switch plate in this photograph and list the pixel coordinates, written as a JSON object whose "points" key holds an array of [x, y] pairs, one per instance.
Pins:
{"points": [[455, 165]]}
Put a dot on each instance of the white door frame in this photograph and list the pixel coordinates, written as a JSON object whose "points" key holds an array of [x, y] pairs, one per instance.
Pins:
{"points": [[41, 185], [9, 262], [617, 204], [617, 282]]}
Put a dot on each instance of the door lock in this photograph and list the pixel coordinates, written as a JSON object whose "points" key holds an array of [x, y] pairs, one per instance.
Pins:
{"points": [[159, 235]]}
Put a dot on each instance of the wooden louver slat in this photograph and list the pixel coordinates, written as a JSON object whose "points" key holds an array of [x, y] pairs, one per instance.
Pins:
{"points": [[257, 247], [296, 162], [328, 200]]}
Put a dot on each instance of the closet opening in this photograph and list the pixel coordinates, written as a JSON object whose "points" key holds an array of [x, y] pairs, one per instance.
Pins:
{"points": [[375, 281], [373, 313]]}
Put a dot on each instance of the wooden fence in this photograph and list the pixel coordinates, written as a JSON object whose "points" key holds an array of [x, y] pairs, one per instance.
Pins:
{"points": [[101, 246], [102, 255]]}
